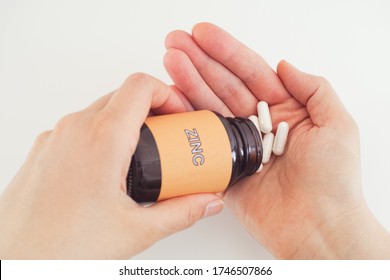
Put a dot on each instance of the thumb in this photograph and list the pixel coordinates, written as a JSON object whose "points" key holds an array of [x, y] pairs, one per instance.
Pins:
{"points": [[316, 94], [179, 213]]}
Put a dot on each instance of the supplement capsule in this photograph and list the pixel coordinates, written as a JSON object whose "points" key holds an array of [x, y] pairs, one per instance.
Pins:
{"points": [[268, 140], [280, 138], [255, 121], [264, 117]]}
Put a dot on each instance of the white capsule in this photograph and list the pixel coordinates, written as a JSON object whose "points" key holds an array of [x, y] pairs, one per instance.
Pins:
{"points": [[280, 138], [255, 121], [260, 168], [268, 140], [264, 117]]}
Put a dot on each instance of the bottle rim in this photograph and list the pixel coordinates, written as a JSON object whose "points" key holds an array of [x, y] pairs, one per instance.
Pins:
{"points": [[251, 146]]}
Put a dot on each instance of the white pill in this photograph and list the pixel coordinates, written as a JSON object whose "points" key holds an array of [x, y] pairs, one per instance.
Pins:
{"points": [[255, 121], [280, 138], [268, 140], [264, 117], [260, 168]]}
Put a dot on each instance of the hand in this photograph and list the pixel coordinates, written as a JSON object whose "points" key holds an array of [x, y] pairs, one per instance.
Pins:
{"points": [[307, 203], [69, 198]]}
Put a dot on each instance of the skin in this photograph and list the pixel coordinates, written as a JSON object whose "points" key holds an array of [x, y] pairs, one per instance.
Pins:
{"points": [[307, 203], [68, 200]]}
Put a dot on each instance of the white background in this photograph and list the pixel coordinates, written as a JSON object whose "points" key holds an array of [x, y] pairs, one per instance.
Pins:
{"points": [[56, 57]]}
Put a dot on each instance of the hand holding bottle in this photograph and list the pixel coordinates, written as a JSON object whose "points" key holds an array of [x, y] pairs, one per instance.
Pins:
{"points": [[69, 201]]}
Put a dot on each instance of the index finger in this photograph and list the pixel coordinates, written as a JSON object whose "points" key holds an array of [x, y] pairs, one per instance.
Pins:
{"points": [[130, 104], [246, 64]]}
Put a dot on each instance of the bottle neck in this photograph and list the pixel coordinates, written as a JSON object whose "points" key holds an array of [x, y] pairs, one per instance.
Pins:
{"points": [[246, 146]]}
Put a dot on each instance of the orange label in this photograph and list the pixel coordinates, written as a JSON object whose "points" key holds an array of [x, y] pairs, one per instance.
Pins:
{"points": [[195, 153]]}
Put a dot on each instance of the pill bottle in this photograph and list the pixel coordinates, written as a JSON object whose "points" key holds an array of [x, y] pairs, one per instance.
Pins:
{"points": [[192, 152]]}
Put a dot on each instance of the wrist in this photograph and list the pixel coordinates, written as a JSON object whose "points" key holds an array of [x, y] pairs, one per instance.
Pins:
{"points": [[353, 235]]}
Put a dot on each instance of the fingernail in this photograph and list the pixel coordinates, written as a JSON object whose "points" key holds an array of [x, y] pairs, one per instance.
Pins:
{"points": [[213, 208]]}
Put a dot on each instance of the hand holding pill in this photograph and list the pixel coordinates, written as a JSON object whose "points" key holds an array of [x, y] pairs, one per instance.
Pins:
{"points": [[306, 202]]}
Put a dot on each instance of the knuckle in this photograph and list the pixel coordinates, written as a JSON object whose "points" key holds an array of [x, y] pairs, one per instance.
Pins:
{"points": [[101, 128], [67, 121], [185, 220], [99, 125], [192, 216], [134, 82], [138, 78], [322, 79], [323, 82], [42, 137]]}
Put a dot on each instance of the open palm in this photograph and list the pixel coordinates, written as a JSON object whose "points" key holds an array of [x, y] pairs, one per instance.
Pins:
{"points": [[301, 197]]}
